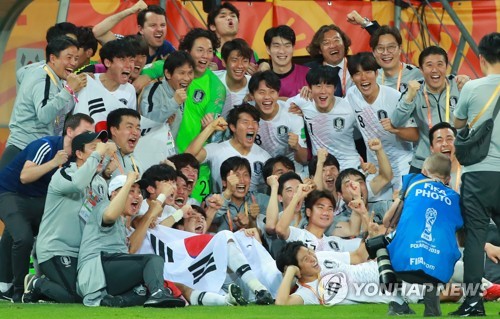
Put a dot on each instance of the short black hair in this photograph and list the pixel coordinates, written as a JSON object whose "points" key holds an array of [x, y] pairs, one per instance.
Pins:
{"points": [[343, 174], [177, 59], [439, 126], [238, 45], [267, 169], [141, 16], [215, 12], [316, 195], [59, 44], [86, 39], [187, 42], [234, 113], [329, 161], [362, 61], [288, 255], [115, 117], [232, 164], [73, 121], [489, 47], [322, 74], [60, 29], [116, 49], [269, 77], [138, 44], [184, 159], [282, 31], [433, 49], [314, 48], [285, 178], [156, 173], [383, 30], [197, 209]]}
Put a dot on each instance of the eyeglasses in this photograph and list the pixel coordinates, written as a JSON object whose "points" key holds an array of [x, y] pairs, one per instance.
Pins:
{"points": [[389, 48]]}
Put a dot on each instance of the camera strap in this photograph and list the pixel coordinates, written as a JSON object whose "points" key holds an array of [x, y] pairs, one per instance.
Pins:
{"points": [[404, 193]]}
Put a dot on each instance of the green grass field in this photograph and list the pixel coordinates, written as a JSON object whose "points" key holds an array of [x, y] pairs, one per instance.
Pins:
{"points": [[372, 311]]}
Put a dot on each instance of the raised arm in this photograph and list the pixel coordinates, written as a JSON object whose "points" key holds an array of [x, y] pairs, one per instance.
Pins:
{"points": [[385, 171], [272, 211], [102, 30], [406, 105], [283, 226], [318, 175], [117, 205], [196, 146], [33, 171], [137, 238], [283, 296]]}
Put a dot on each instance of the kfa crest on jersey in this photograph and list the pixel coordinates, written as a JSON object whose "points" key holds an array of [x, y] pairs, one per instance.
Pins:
{"points": [[453, 102], [338, 123], [198, 96], [382, 114], [403, 87], [257, 167], [282, 130]]}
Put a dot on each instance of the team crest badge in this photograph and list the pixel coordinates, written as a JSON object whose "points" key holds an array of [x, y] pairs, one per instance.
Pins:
{"points": [[403, 87], [453, 101], [382, 114], [338, 123], [257, 167], [198, 96], [282, 130]]}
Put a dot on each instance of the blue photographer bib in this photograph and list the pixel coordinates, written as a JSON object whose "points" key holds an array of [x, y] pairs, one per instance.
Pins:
{"points": [[425, 235]]}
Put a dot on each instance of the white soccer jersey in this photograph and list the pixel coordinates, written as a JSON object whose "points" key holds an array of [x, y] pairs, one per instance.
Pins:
{"points": [[273, 134], [326, 243], [219, 152], [350, 280], [232, 98], [333, 131], [368, 117], [125, 93]]}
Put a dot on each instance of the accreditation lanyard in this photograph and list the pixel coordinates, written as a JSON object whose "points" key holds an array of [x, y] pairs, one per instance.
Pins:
{"points": [[314, 291], [230, 220], [457, 179], [53, 79], [120, 167], [51, 76], [429, 115], [400, 75]]}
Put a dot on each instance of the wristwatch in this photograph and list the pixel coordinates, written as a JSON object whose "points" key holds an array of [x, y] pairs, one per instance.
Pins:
{"points": [[365, 22]]}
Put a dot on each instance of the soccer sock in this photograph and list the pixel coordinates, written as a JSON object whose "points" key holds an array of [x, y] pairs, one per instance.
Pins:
{"points": [[237, 262], [206, 298], [4, 286]]}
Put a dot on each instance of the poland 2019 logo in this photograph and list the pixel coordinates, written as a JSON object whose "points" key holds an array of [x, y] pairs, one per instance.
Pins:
{"points": [[332, 288]]}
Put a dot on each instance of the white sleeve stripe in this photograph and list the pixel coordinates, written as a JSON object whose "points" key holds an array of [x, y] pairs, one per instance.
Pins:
{"points": [[40, 154]]}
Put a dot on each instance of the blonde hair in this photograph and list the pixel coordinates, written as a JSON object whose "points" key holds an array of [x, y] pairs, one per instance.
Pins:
{"points": [[439, 165]]}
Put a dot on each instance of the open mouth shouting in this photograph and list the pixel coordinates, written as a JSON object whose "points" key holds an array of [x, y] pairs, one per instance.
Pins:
{"points": [[135, 205], [180, 201], [202, 65], [132, 142], [267, 106], [241, 188], [199, 228], [250, 136], [125, 75], [68, 71]]}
